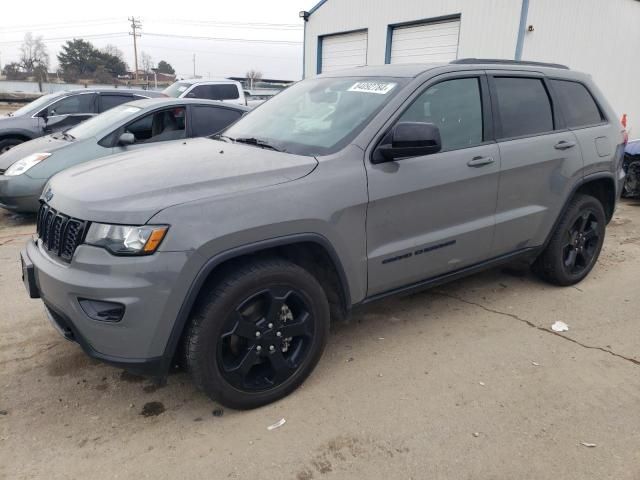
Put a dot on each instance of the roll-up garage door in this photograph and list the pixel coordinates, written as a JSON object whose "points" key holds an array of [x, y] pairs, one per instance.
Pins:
{"points": [[425, 42], [345, 50]]}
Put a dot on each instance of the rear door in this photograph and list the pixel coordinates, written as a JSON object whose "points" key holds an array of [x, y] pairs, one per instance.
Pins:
{"points": [[110, 100], [208, 119], [434, 214], [541, 159]]}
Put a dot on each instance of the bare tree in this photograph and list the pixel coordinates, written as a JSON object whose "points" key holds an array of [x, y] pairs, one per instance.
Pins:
{"points": [[34, 58], [113, 51], [253, 76], [146, 62]]}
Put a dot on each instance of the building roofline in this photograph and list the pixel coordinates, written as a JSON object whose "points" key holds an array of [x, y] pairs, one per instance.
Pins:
{"points": [[317, 6]]}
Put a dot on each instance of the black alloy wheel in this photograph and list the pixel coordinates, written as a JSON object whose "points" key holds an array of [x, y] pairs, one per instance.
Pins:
{"points": [[265, 339]]}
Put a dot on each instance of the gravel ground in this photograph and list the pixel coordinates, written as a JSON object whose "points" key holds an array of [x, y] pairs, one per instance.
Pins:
{"points": [[463, 382]]}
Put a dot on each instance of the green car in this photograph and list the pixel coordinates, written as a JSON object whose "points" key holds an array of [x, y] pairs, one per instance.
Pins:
{"points": [[26, 168]]}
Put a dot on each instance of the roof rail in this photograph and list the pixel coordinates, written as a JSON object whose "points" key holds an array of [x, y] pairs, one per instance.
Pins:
{"points": [[470, 61]]}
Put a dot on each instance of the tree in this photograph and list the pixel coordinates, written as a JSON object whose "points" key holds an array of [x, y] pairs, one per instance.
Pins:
{"points": [[80, 59], [34, 58], [13, 71], [146, 62], [165, 67], [253, 76]]}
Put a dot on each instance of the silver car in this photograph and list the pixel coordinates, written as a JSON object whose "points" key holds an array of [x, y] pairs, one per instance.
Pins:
{"points": [[26, 168]]}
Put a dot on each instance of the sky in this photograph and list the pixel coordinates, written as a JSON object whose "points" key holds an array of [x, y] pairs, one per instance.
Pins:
{"points": [[227, 37]]}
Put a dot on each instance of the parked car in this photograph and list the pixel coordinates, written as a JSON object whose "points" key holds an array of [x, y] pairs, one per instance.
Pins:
{"points": [[25, 169], [58, 111], [631, 166], [223, 90], [237, 259]]}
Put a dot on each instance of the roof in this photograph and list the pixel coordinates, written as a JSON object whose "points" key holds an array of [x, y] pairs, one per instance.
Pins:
{"points": [[193, 81], [410, 70], [407, 70], [168, 101], [139, 91], [317, 6]]}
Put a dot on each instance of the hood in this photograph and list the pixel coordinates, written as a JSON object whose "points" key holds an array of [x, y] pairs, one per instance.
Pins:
{"points": [[38, 145], [129, 188]]}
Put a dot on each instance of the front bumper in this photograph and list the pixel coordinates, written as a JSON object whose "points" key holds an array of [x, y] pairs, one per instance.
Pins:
{"points": [[148, 287], [21, 193]]}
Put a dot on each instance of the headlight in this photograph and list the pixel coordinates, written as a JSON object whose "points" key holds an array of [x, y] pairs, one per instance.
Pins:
{"points": [[126, 240], [25, 164]]}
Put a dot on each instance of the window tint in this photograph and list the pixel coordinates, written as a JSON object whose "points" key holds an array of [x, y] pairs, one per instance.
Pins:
{"points": [[159, 126], [110, 101], [578, 105], [224, 91], [209, 120], [455, 107], [82, 103], [524, 106]]}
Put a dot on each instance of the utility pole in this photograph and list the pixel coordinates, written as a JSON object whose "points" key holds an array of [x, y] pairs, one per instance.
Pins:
{"points": [[135, 25], [194, 65]]}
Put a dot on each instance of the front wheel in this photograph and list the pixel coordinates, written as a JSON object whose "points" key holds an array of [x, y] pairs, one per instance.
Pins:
{"points": [[258, 334], [575, 243], [8, 143]]}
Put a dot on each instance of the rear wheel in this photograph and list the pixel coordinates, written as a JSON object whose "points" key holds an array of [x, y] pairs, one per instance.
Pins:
{"points": [[7, 144], [258, 335], [575, 244]]}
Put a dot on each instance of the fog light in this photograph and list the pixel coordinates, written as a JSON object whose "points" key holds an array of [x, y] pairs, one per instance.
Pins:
{"points": [[102, 311]]}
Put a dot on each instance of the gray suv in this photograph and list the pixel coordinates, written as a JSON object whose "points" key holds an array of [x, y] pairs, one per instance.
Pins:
{"points": [[232, 254]]}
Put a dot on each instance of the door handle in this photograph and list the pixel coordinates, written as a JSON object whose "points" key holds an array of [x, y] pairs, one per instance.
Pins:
{"points": [[564, 145], [480, 161]]}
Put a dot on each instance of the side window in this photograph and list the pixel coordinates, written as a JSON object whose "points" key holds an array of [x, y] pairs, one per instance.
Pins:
{"points": [[455, 107], [110, 101], [523, 105], [578, 106], [209, 120], [75, 104], [160, 126], [223, 91]]}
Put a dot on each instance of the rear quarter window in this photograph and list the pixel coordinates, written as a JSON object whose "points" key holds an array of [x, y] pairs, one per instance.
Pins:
{"points": [[578, 106]]}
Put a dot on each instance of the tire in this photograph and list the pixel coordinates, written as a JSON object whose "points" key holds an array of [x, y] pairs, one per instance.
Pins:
{"points": [[575, 243], [7, 143], [224, 354]]}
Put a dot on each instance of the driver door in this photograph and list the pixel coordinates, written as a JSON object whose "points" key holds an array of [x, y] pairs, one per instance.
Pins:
{"points": [[434, 214], [68, 112]]}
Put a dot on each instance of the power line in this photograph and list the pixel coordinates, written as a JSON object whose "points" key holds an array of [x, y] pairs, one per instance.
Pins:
{"points": [[62, 24], [53, 39], [226, 39]]}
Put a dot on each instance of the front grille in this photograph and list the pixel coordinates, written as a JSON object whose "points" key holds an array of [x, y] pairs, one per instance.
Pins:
{"points": [[59, 233]]}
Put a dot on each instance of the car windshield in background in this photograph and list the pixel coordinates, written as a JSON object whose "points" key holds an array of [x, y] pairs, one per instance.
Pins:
{"points": [[176, 89], [36, 104], [318, 116], [97, 124]]}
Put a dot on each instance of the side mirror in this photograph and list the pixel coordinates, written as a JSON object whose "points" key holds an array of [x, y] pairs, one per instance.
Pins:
{"points": [[126, 138], [408, 139]]}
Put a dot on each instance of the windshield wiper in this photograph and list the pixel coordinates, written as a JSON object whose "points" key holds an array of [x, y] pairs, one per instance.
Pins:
{"points": [[257, 142], [67, 136]]}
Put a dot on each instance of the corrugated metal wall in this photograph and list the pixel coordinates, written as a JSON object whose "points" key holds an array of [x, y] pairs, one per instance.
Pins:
{"points": [[601, 37]]}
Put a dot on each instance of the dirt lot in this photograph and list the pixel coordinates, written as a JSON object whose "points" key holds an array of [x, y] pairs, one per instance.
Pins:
{"points": [[467, 381]]}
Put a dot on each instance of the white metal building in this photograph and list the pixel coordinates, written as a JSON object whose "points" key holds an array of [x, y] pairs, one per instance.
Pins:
{"points": [[600, 37]]}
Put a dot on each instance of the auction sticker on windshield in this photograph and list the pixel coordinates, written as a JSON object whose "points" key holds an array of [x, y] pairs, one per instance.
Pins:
{"points": [[369, 86]]}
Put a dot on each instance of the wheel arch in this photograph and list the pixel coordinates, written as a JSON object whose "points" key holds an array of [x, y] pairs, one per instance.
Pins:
{"points": [[23, 135], [311, 251]]}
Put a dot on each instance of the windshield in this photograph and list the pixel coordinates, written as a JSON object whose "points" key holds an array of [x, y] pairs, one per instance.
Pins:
{"points": [[176, 89], [317, 116], [36, 104], [97, 124]]}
